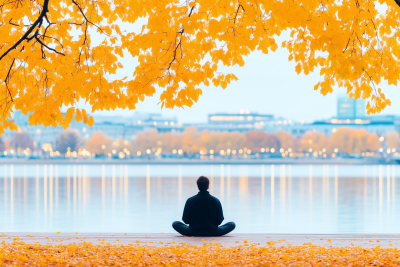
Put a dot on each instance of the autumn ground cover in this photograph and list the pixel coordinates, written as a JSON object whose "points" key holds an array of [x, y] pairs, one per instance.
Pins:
{"points": [[19, 253]]}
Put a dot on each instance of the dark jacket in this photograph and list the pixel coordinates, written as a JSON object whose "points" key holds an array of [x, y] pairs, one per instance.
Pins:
{"points": [[203, 212]]}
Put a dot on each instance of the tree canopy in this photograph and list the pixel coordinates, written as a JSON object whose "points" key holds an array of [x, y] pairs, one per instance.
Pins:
{"points": [[51, 56]]}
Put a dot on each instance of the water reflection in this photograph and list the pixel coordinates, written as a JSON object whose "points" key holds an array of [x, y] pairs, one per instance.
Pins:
{"points": [[259, 198], [221, 185], [229, 184], [272, 191]]}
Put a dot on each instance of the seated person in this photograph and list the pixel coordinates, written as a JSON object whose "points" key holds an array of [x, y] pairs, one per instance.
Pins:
{"points": [[203, 214]]}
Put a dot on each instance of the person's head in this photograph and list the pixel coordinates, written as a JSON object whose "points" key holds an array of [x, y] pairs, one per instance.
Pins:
{"points": [[202, 183]]}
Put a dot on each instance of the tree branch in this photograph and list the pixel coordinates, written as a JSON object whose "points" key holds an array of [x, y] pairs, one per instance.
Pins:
{"points": [[51, 49], [30, 30], [180, 42], [7, 77], [13, 23], [8, 74], [84, 16], [237, 11]]}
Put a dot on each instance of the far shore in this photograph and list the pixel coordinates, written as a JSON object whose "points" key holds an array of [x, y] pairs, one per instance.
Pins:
{"points": [[291, 161]]}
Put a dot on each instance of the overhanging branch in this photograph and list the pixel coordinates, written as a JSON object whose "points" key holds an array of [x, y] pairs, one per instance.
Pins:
{"points": [[38, 21], [8, 77]]}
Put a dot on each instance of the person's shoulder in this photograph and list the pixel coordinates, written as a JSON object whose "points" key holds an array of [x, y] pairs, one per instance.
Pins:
{"points": [[216, 199], [192, 197]]}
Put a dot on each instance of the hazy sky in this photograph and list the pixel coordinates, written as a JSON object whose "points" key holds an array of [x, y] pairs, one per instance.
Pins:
{"points": [[267, 84]]}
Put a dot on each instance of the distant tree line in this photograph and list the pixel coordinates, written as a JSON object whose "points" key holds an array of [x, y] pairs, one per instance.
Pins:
{"points": [[191, 141]]}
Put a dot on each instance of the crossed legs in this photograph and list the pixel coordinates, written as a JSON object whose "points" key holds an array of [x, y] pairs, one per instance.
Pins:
{"points": [[183, 229]]}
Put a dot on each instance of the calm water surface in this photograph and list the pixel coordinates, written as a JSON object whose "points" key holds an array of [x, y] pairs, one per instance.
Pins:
{"points": [[148, 198]]}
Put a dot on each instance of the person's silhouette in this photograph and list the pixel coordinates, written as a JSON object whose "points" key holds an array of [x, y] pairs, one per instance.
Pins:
{"points": [[203, 214]]}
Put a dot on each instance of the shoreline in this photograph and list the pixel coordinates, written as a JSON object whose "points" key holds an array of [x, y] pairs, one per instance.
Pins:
{"points": [[202, 162], [234, 239]]}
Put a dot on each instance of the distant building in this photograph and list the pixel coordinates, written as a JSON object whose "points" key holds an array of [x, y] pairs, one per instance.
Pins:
{"points": [[350, 113], [380, 125], [239, 118], [234, 122], [349, 108]]}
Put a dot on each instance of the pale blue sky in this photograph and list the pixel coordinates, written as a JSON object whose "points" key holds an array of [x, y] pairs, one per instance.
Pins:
{"points": [[267, 84]]}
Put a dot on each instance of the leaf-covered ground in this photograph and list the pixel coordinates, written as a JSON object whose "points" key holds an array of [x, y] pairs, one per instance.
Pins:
{"points": [[19, 253]]}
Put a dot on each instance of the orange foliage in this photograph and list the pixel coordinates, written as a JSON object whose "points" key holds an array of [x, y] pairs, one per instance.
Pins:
{"points": [[373, 142], [210, 140], [348, 140], [358, 141], [147, 140], [255, 140], [55, 54], [170, 141], [286, 140], [314, 141], [345, 140], [97, 141], [191, 140], [231, 140], [121, 145], [392, 139], [222, 141], [19, 253]]}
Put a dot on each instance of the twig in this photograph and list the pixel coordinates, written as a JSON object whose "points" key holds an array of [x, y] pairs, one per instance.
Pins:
{"points": [[38, 21], [8, 77], [51, 49]]}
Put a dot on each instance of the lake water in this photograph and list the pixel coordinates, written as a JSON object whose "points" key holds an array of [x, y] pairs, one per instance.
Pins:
{"points": [[148, 198]]}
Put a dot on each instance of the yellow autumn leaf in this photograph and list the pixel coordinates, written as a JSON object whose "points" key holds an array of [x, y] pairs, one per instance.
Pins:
{"points": [[45, 67]]}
